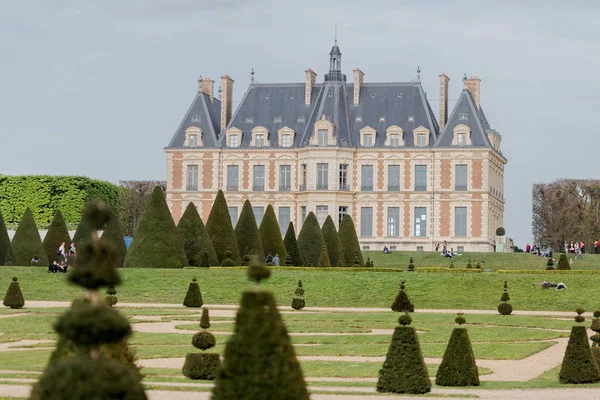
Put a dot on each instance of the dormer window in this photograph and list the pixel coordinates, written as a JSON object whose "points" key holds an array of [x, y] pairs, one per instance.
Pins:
{"points": [[286, 137], [260, 137], [301, 119], [367, 136], [461, 139], [394, 140], [323, 133], [421, 140], [193, 140], [463, 117], [196, 119], [259, 140], [193, 137], [421, 136], [249, 120], [323, 137], [234, 141], [286, 140], [394, 136], [462, 135], [233, 137], [368, 140], [277, 120]]}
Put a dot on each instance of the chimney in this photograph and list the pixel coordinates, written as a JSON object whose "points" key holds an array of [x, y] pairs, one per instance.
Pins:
{"points": [[311, 78], [207, 85], [226, 100], [443, 100], [358, 81], [472, 85]]}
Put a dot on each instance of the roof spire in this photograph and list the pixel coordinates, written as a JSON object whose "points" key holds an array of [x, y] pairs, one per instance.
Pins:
{"points": [[418, 73], [465, 81], [220, 90], [252, 76], [335, 33]]}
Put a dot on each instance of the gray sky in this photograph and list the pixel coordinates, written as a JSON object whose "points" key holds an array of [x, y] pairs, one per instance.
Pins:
{"points": [[98, 88]]}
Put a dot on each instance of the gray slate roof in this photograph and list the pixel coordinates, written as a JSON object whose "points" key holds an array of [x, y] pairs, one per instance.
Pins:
{"points": [[204, 114]]}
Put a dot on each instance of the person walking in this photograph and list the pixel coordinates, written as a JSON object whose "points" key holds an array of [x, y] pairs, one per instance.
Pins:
{"points": [[61, 252]]}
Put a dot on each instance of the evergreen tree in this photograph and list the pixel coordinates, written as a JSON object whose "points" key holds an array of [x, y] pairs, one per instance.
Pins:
{"points": [[193, 297], [402, 303], [156, 243], [220, 230], [505, 308], [114, 235], [14, 296], [291, 245], [469, 264], [298, 302], [288, 260], [6, 251], [324, 258], [458, 366], [57, 234], [451, 264], [111, 299], [26, 243], [349, 242], [579, 364], [596, 337], [270, 234], [83, 231], [411, 265], [195, 239], [404, 370], [205, 260], [310, 239], [259, 360], [550, 264], [332, 241], [202, 365], [563, 262], [246, 232], [92, 359]]}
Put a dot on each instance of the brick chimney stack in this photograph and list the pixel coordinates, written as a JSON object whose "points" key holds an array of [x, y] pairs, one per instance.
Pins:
{"points": [[207, 85], [473, 85], [226, 100], [444, 79], [358, 81], [311, 78]]}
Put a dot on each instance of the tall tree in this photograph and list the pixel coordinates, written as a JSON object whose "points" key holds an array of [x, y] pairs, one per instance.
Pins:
{"points": [[246, 232], [332, 242], [349, 242], [133, 197], [310, 239], [57, 234], [6, 251], [26, 243], [220, 230], [291, 245], [114, 235], [195, 238], [270, 235]]}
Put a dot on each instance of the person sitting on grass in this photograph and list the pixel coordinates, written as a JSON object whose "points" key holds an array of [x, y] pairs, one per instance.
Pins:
{"points": [[386, 250], [54, 267], [449, 254]]}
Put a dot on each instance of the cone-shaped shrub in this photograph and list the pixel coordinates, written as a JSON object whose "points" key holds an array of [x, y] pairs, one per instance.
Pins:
{"points": [[111, 299], [402, 303], [349, 242], [83, 231], [596, 337], [550, 264], [563, 262], [14, 296], [6, 251], [505, 308], [291, 245], [57, 234], [451, 264], [310, 239], [246, 232], [26, 243], [156, 243], [356, 262], [579, 364], [92, 359], [411, 265], [193, 297], [202, 365], [220, 230], [195, 239], [477, 265], [404, 369], [324, 258], [298, 303], [271, 235], [469, 264], [332, 241], [112, 234], [288, 260], [458, 366]]}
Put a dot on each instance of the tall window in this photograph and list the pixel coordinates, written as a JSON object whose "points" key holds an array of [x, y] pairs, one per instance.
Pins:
{"points": [[233, 176], [393, 225], [393, 178], [342, 210], [284, 219], [322, 176], [421, 140], [259, 140], [460, 221], [420, 178], [321, 214], [344, 177], [286, 140], [258, 176], [323, 137], [234, 141], [366, 178], [233, 215], [366, 221], [259, 213], [461, 139], [420, 221], [395, 139], [285, 178], [193, 140], [192, 178], [368, 140], [303, 169], [460, 178]]}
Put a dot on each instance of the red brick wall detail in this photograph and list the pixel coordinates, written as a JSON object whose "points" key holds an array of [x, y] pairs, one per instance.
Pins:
{"points": [[245, 173], [407, 174], [380, 216], [207, 171], [271, 182], [380, 170], [445, 174], [176, 207], [477, 174], [407, 216], [476, 222], [207, 202], [177, 171], [445, 215]]}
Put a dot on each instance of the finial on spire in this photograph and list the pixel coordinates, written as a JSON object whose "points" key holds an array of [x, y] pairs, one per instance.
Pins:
{"points": [[252, 76], [465, 80], [220, 90], [418, 73], [336, 33]]}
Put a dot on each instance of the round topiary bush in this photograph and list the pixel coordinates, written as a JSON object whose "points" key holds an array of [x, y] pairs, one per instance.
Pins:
{"points": [[411, 265], [298, 302], [14, 296], [505, 309], [111, 299], [202, 365], [204, 340], [228, 261]]}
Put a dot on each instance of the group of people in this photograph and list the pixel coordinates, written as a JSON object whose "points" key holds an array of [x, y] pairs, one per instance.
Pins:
{"points": [[273, 260], [445, 252], [66, 258]]}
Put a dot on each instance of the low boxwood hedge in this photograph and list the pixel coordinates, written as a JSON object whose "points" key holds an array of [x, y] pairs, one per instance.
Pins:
{"points": [[552, 272]]}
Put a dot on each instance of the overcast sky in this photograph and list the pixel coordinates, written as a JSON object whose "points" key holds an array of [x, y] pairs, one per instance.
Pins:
{"points": [[98, 88]]}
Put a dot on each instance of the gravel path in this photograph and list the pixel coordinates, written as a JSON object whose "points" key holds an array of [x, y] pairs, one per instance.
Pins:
{"points": [[18, 345]]}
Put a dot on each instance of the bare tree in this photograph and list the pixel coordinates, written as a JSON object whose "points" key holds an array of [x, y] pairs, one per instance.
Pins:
{"points": [[133, 197]]}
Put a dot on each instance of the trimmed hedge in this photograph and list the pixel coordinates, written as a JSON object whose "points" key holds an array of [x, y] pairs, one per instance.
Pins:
{"points": [[349, 242], [458, 367], [332, 241], [26, 243], [448, 270], [6, 251], [202, 365], [113, 236], [56, 235], [578, 365], [14, 296], [196, 242], [552, 272], [270, 235], [193, 297], [310, 239], [246, 233], [221, 232], [402, 303], [563, 263], [324, 258], [291, 245]]}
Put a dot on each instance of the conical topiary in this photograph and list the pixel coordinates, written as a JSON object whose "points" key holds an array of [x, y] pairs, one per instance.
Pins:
{"points": [[356, 261], [195, 239], [469, 264], [205, 260], [332, 242], [6, 251], [26, 244], [288, 260], [112, 234], [458, 367], [202, 365], [246, 232], [324, 258], [111, 299], [579, 364], [57, 234], [477, 265], [156, 243], [411, 265], [505, 308], [14, 297], [270, 234], [404, 370], [596, 337], [563, 262], [291, 245], [402, 303], [298, 303], [92, 359], [221, 232], [193, 297], [310, 239], [550, 264], [349, 242], [259, 359], [83, 231], [451, 264]]}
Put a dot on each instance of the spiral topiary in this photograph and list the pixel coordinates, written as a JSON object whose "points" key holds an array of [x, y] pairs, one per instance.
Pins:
{"points": [[202, 365], [298, 303], [505, 308]]}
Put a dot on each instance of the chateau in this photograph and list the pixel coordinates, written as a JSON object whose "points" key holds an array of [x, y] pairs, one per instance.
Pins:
{"points": [[371, 150]]}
